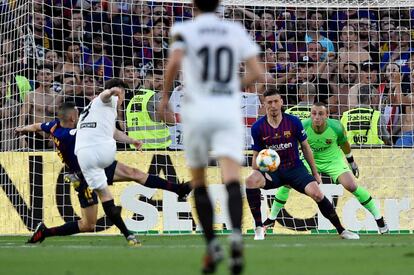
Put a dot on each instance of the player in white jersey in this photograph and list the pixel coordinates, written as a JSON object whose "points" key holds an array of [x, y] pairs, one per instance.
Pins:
{"points": [[95, 148], [210, 51]]}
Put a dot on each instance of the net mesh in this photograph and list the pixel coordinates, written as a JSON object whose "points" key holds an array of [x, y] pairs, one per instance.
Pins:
{"points": [[344, 53]]}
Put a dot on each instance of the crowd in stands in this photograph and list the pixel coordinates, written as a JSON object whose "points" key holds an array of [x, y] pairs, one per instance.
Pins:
{"points": [[359, 62]]}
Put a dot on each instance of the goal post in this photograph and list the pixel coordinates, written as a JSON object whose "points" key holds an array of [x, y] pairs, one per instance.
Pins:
{"points": [[348, 53]]}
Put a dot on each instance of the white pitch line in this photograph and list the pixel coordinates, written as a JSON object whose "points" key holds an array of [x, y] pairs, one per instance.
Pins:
{"points": [[157, 246]]}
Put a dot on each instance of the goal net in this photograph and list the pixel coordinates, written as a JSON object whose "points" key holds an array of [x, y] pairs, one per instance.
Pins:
{"points": [[353, 55]]}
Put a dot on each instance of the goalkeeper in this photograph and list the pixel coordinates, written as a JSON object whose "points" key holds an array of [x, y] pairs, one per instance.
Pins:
{"points": [[327, 138]]}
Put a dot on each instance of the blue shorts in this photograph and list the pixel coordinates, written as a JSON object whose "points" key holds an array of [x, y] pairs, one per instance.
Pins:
{"points": [[87, 197], [297, 178]]}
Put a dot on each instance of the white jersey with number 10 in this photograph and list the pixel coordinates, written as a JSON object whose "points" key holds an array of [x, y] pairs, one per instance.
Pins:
{"points": [[213, 49]]}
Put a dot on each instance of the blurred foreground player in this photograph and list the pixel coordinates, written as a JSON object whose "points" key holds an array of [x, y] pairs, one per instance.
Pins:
{"points": [[210, 51]]}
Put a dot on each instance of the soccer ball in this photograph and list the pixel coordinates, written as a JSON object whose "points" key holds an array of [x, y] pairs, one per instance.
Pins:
{"points": [[268, 160]]}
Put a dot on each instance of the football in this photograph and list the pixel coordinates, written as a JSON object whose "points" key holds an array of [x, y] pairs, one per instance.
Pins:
{"points": [[268, 160]]}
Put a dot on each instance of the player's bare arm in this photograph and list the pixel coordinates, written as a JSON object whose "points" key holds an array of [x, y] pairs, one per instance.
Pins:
{"points": [[35, 127], [107, 94], [122, 137], [307, 153], [174, 63]]}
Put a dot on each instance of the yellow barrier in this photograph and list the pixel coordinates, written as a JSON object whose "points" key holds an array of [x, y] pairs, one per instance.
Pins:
{"points": [[31, 190]]}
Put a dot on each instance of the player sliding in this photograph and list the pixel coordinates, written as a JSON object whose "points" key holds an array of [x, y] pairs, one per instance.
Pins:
{"points": [[327, 138], [211, 51], [283, 132], [63, 134]]}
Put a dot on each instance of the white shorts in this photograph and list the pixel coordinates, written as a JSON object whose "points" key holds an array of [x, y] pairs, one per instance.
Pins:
{"points": [[93, 161], [224, 137]]}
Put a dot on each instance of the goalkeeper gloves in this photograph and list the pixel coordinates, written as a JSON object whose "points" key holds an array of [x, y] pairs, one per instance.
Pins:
{"points": [[73, 180], [353, 165]]}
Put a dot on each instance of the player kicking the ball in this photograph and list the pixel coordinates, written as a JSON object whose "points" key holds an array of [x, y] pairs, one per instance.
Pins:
{"points": [[328, 141], [282, 133], [63, 134], [211, 51]]}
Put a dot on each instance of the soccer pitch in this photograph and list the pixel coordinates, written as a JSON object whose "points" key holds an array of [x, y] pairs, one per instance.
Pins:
{"points": [[161, 255]]}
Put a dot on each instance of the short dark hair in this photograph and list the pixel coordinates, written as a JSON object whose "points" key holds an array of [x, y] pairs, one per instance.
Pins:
{"points": [[71, 43], [128, 63], [206, 6], [319, 104], [44, 67], [272, 90], [115, 82], [351, 64], [65, 108]]}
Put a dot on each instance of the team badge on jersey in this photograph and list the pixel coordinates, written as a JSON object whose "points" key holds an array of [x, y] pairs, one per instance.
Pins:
{"points": [[287, 134]]}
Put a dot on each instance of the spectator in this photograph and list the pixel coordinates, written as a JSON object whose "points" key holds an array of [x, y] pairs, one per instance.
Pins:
{"points": [[36, 108], [268, 35], [73, 61], [16, 85], [348, 78], [388, 101], [350, 50], [363, 25], [141, 14], [159, 13], [42, 39], [90, 85], [368, 74], [9, 110], [98, 59], [286, 78], [316, 52], [296, 44], [241, 14], [307, 73], [130, 75], [307, 93], [316, 20], [269, 60], [402, 53], [154, 80], [72, 91], [388, 37], [52, 59], [75, 27], [350, 74], [364, 124], [406, 99], [339, 19], [156, 49]]}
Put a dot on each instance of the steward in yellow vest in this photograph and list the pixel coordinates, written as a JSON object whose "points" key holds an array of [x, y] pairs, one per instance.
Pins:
{"points": [[300, 111], [362, 126], [141, 124]]}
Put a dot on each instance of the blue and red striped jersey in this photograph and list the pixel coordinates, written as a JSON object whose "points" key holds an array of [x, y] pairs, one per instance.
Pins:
{"points": [[64, 139], [284, 139]]}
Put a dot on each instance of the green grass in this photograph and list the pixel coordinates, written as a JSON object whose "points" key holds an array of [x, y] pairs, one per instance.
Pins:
{"points": [[278, 254]]}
